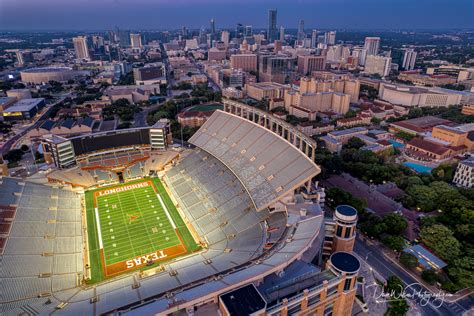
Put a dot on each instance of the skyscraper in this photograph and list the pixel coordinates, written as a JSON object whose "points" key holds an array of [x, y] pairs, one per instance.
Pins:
{"points": [[301, 34], [248, 30], [372, 45], [213, 27], [124, 38], [225, 37], [271, 28], [98, 44], [136, 40], [330, 38], [405, 58], [239, 30], [314, 38], [282, 34], [81, 48]]}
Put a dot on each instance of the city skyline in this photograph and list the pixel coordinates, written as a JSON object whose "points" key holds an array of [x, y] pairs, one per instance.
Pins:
{"points": [[165, 14]]}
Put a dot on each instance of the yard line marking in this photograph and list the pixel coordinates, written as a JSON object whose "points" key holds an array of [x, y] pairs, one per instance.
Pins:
{"points": [[99, 232], [166, 211]]}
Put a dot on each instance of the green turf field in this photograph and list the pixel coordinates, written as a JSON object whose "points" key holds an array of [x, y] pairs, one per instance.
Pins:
{"points": [[132, 223]]}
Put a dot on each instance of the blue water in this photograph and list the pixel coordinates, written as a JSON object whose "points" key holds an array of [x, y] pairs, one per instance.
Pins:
{"points": [[396, 144], [417, 167]]}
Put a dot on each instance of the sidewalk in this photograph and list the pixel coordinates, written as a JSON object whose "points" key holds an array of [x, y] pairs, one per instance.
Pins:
{"points": [[431, 288]]}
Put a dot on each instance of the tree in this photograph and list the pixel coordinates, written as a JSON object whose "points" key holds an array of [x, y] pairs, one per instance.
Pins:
{"points": [[440, 238], [14, 155], [394, 242], [424, 197], [429, 276], [375, 121], [462, 271], [415, 112], [24, 148], [397, 307], [350, 113], [394, 285], [395, 223], [408, 260], [355, 143]]}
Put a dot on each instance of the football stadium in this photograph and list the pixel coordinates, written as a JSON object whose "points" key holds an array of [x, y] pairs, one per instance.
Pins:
{"points": [[125, 223]]}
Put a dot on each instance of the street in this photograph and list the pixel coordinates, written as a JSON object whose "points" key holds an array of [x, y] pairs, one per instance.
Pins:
{"points": [[376, 259]]}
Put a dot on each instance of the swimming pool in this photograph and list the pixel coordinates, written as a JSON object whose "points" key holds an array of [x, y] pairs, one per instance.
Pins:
{"points": [[417, 167], [396, 144]]}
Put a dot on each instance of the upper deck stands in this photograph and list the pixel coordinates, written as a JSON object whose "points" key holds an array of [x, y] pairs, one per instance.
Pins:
{"points": [[268, 166]]}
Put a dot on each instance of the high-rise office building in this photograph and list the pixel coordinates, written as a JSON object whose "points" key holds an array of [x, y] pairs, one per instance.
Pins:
{"points": [[239, 30], [248, 31], [309, 63], [98, 44], [272, 28], [213, 26], [184, 32], [246, 62], [81, 48], [378, 65], [314, 38], [123, 38], [372, 45], [330, 38], [282, 34], [301, 35], [136, 40], [405, 58], [225, 37], [275, 68]]}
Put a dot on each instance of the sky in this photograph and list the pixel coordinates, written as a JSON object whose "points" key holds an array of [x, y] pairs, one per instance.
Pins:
{"points": [[172, 14]]}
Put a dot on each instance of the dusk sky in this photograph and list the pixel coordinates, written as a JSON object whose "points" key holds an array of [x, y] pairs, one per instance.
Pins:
{"points": [[161, 14]]}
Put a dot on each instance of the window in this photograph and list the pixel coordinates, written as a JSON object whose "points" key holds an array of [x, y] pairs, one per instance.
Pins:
{"points": [[347, 284], [339, 231], [347, 234]]}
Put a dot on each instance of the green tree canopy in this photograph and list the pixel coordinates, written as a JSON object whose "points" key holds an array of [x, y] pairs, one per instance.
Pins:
{"points": [[440, 238], [408, 260]]}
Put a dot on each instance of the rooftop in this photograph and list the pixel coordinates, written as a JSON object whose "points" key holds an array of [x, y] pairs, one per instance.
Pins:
{"points": [[422, 124], [345, 262], [243, 301], [346, 210], [428, 146], [348, 131], [425, 257], [24, 105]]}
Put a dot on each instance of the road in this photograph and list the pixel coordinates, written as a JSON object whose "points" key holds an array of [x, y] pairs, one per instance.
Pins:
{"points": [[375, 258], [211, 82], [9, 143]]}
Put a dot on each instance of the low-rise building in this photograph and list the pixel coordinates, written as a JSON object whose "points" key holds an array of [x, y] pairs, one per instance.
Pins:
{"points": [[360, 119], [23, 110], [464, 176], [426, 150], [468, 109], [411, 96], [335, 139], [133, 93], [311, 129], [65, 128], [265, 90], [418, 126]]}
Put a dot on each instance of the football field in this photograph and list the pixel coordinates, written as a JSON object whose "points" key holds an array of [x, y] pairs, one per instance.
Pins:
{"points": [[136, 225]]}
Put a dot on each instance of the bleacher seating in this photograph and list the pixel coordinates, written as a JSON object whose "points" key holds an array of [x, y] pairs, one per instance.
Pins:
{"points": [[43, 251], [267, 165]]}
